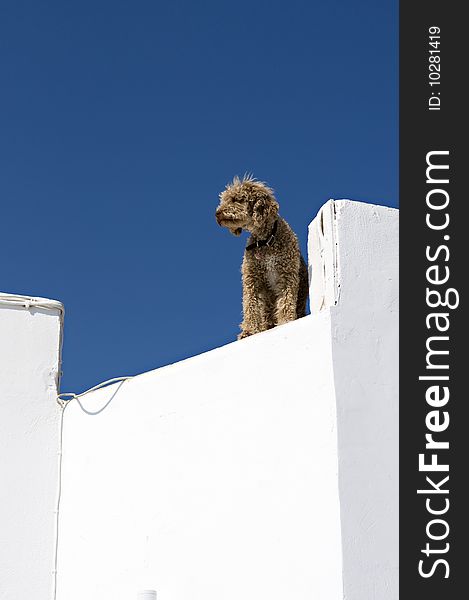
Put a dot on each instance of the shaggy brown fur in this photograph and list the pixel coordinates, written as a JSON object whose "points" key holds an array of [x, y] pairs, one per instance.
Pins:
{"points": [[275, 277]]}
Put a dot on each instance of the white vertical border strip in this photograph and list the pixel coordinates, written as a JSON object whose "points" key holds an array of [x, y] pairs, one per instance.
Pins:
{"points": [[34, 305]]}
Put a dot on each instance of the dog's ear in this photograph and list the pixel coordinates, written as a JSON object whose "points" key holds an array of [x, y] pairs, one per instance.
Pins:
{"points": [[265, 209]]}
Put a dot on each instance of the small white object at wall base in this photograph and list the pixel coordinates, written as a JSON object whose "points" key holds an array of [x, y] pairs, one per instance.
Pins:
{"points": [[147, 595]]}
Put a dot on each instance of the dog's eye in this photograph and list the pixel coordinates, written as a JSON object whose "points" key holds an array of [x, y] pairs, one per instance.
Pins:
{"points": [[238, 200]]}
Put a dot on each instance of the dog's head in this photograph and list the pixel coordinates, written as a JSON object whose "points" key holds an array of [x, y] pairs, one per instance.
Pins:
{"points": [[246, 204]]}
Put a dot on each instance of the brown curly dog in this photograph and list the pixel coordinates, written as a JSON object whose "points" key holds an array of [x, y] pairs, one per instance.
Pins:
{"points": [[275, 277]]}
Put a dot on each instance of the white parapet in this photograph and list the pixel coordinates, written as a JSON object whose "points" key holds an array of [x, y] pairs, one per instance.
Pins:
{"points": [[267, 468], [30, 341], [365, 355]]}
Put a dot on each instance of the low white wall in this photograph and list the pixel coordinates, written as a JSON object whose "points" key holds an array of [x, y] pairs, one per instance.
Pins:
{"points": [[212, 478], [30, 339]]}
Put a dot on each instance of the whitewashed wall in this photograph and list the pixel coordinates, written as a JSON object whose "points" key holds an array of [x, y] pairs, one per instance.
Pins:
{"points": [[213, 478], [30, 339], [263, 469]]}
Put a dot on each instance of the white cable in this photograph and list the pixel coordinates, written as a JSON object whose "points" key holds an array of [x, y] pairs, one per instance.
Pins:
{"points": [[57, 505], [66, 397]]}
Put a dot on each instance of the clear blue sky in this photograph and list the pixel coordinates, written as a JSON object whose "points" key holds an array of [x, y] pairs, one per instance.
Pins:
{"points": [[120, 122]]}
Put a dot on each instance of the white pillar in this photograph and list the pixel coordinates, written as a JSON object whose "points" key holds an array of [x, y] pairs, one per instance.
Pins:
{"points": [[354, 255], [30, 340]]}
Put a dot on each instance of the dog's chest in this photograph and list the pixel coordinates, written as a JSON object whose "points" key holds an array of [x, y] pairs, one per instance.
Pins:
{"points": [[271, 271]]}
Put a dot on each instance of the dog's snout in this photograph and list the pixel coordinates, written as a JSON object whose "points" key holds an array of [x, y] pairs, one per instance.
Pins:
{"points": [[218, 216]]}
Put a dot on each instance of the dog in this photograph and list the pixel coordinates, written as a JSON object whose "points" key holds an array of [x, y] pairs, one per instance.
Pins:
{"points": [[274, 273]]}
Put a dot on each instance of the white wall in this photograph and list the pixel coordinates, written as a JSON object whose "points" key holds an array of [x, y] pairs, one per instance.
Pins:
{"points": [[212, 478], [30, 340], [263, 469]]}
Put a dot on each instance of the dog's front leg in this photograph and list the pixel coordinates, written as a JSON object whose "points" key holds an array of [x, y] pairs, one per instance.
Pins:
{"points": [[287, 299], [254, 313]]}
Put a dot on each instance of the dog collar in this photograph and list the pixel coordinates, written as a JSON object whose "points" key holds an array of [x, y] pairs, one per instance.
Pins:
{"points": [[268, 242]]}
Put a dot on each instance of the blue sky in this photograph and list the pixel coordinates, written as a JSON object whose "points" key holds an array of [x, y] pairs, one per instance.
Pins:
{"points": [[120, 122]]}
